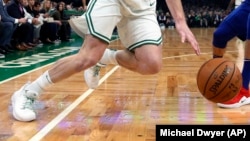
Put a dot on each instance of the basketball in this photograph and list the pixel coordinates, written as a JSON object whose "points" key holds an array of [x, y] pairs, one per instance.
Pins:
{"points": [[219, 80]]}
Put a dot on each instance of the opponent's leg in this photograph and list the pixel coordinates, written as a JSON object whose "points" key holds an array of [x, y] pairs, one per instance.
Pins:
{"points": [[221, 36], [230, 28], [243, 97]]}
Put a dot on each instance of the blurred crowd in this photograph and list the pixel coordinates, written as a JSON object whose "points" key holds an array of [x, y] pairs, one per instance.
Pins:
{"points": [[26, 24], [199, 13]]}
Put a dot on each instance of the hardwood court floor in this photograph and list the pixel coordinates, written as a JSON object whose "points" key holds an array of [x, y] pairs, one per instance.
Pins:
{"points": [[126, 106]]}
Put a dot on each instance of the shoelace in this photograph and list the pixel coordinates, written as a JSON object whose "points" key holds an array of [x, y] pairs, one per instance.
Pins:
{"points": [[97, 70], [28, 104]]}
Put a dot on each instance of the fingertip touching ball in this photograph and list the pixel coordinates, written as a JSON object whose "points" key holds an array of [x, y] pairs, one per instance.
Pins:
{"points": [[219, 80]]}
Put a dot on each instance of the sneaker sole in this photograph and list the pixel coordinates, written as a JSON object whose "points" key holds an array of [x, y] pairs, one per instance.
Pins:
{"points": [[13, 112], [236, 105]]}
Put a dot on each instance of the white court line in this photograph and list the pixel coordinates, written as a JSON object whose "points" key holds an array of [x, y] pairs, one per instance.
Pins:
{"points": [[184, 55], [71, 107], [190, 55]]}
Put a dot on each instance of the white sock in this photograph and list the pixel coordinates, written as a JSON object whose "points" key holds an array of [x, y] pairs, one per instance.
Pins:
{"points": [[41, 83], [109, 57]]}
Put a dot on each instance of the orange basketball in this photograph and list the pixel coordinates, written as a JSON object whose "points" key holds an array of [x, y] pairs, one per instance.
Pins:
{"points": [[219, 80]]}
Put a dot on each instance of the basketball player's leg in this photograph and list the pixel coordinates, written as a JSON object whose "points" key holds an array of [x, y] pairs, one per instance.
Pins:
{"points": [[22, 100], [142, 37], [146, 59], [90, 53], [230, 28], [95, 43], [243, 97], [221, 36], [144, 50]]}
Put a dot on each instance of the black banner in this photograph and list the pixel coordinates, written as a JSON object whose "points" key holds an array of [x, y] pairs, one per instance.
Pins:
{"points": [[207, 132]]}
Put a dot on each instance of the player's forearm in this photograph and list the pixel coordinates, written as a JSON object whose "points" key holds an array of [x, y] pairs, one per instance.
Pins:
{"points": [[176, 10]]}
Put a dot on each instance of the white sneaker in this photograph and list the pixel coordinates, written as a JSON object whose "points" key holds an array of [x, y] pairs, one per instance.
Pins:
{"points": [[22, 104], [92, 75]]}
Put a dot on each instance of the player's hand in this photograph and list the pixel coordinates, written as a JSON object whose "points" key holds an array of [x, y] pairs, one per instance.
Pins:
{"points": [[187, 35]]}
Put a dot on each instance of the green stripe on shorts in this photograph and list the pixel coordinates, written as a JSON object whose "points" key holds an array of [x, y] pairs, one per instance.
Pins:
{"points": [[90, 23], [145, 42]]}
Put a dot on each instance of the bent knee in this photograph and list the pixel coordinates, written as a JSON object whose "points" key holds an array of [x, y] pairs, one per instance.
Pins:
{"points": [[155, 68], [152, 67]]}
